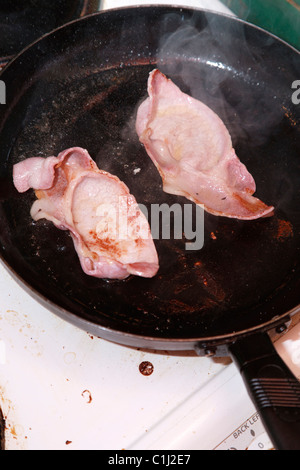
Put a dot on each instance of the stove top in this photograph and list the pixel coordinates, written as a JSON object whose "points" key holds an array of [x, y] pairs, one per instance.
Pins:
{"points": [[61, 388]]}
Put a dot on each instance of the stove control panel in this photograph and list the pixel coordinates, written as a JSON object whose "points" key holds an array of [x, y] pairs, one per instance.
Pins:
{"points": [[251, 435]]}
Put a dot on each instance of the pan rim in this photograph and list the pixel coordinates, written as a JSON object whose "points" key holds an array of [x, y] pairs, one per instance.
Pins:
{"points": [[132, 339], [12, 59]]}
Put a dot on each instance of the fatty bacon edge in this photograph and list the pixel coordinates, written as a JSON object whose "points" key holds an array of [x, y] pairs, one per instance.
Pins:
{"points": [[111, 235], [192, 150]]}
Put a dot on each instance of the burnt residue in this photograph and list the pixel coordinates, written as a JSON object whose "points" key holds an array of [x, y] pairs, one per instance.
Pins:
{"points": [[285, 230], [146, 368]]}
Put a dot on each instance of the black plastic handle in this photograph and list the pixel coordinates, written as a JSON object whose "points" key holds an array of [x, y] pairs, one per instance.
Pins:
{"points": [[273, 388]]}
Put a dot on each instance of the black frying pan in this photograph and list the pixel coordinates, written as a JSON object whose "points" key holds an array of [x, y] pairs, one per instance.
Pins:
{"points": [[80, 86]]}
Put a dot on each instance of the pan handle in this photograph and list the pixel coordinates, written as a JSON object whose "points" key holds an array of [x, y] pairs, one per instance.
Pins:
{"points": [[274, 390]]}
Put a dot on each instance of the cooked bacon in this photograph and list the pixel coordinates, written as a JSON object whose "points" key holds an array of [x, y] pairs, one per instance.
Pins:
{"points": [[192, 150], [111, 235]]}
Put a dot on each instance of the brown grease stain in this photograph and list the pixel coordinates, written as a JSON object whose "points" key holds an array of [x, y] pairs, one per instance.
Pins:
{"points": [[284, 230], [146, 368], [252, 207], [87, 395], [288, 114], [104, 244]]}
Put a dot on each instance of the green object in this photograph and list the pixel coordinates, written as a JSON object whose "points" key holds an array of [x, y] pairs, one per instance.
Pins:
{"points": [[280, 17]]}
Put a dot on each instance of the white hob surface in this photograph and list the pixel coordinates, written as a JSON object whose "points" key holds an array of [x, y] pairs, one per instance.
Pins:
{"points": [[60, 388]]}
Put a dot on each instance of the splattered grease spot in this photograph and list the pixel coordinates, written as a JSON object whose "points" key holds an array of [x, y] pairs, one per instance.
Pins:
{"points": [[146, 368], [285, 230]]}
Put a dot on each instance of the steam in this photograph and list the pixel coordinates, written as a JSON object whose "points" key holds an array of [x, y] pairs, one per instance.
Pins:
{"points": [[216, 66]]}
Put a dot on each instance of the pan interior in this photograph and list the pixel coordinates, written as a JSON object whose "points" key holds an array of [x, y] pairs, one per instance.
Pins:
{"points": [[81, 86], [22, 21]]}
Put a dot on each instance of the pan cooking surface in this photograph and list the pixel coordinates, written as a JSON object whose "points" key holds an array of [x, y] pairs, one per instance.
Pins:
{"points": [[22, 21], [84, 91]]}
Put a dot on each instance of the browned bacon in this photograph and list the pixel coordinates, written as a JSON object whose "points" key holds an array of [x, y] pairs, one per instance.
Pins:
{"points": [[192, 150], [111, 235]]}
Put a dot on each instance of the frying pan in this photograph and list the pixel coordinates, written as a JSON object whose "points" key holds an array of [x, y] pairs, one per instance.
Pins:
{"points": [[80, 86]]}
